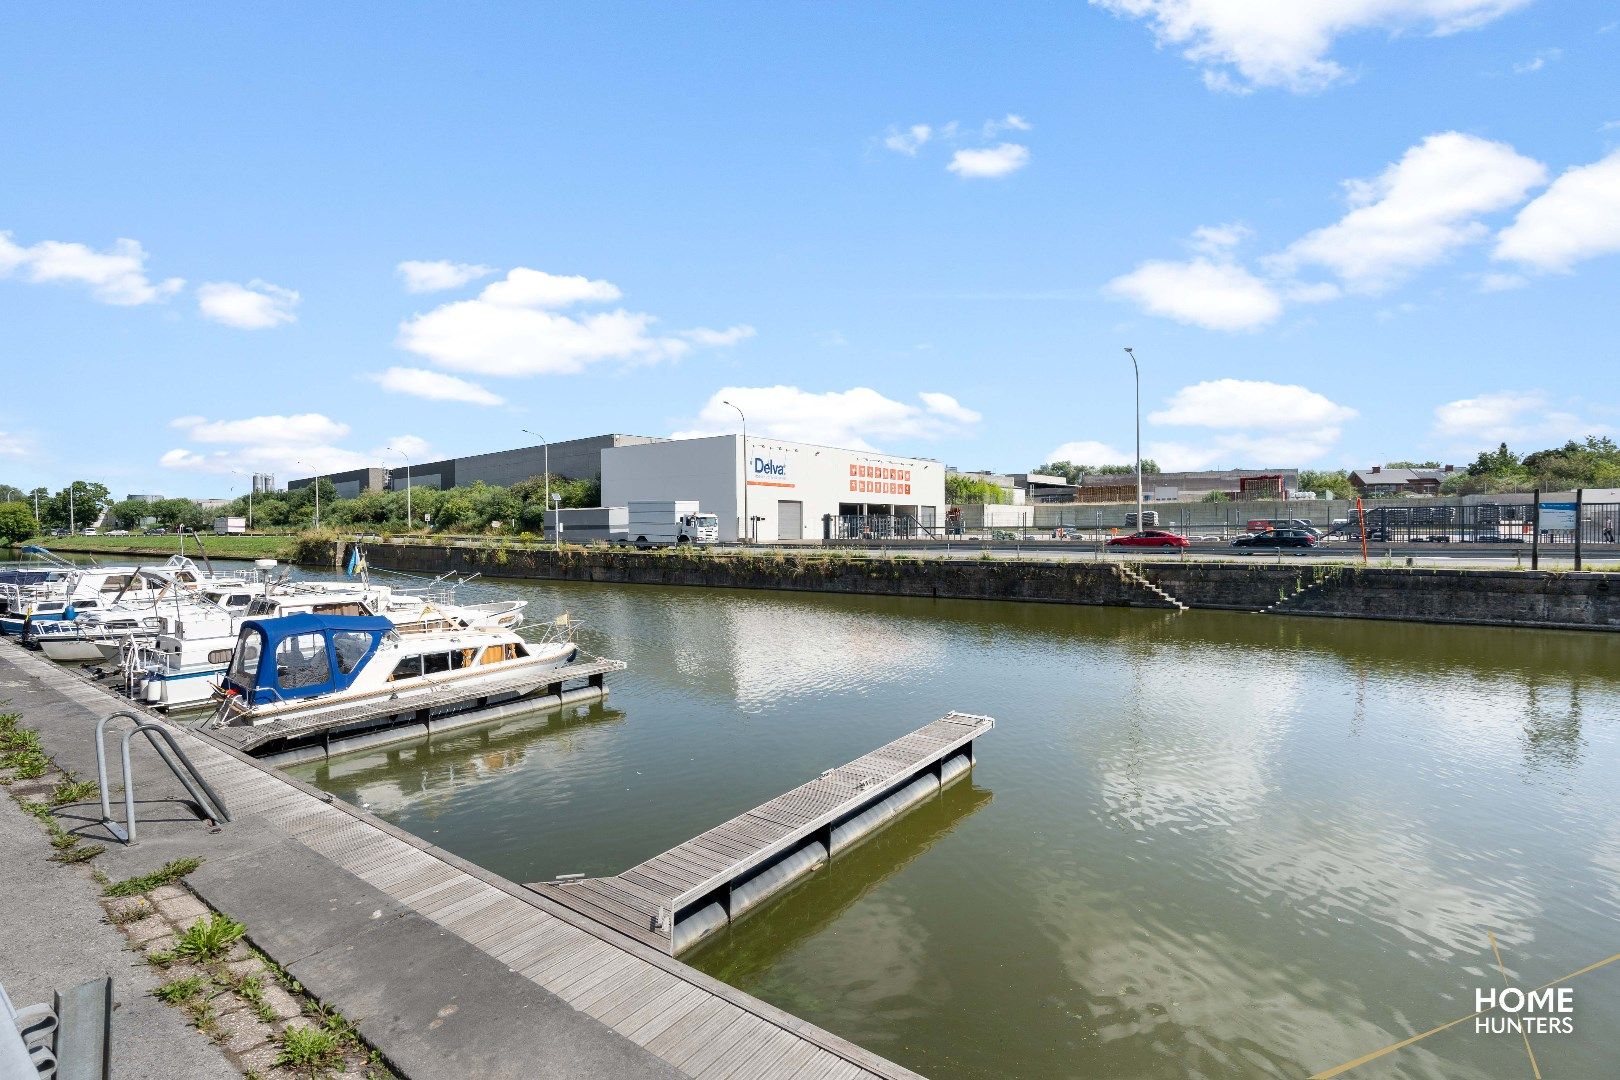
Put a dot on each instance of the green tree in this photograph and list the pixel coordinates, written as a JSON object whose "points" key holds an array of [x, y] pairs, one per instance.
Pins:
{"points": [[14, 494], [1072, 472], [16, 521], [963, 490], [84, 508], [1334, 481]]}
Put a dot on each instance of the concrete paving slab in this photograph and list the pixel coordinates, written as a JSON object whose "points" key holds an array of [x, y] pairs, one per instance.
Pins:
{"points": [[54, 937]]}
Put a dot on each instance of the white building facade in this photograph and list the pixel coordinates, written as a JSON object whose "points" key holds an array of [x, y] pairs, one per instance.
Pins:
{"points": [[788, 486]]}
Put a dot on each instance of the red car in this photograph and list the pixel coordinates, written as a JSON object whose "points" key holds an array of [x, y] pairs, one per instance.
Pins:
{"points": [[1149, 538]]}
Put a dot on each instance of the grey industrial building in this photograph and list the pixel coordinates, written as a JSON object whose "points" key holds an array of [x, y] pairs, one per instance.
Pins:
{"points": [[571, 459]]}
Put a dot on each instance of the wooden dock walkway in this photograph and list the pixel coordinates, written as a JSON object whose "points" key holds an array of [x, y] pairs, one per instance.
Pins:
{"points": [[699, 1026], [336, 725], [673, 900]]}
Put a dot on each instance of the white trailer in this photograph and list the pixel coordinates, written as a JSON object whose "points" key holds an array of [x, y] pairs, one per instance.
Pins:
{"points": [[660, 523], [227, 526]]}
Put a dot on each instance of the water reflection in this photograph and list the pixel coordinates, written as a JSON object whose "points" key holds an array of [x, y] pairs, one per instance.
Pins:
{"points": [[1220, 844], [745, 950]]}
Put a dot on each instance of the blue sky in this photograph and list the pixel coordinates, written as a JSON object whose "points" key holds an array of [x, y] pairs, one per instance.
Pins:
{"points": [[1387, 231]]}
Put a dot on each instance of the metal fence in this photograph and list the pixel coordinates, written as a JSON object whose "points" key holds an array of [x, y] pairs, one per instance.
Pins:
{"points": [[876, 527]]}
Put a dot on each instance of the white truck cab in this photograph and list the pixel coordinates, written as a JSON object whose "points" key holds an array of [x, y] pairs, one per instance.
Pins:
{"points": [[665, 522]]}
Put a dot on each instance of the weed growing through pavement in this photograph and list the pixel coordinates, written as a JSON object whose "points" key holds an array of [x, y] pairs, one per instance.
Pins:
{"points": [[209, 939]]}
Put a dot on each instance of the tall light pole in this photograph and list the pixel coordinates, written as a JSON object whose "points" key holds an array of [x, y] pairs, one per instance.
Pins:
{"points": [[317, 483], [1138, 370], [73, 525], [545, 448], [401, 453], [239, 472], [744, 466]]}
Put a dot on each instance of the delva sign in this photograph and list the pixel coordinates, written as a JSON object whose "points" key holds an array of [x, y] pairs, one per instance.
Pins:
{"points": [[768, 472], [1558, 517]]}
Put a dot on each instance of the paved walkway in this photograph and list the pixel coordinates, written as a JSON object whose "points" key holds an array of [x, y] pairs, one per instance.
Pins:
{"points": [[52, 936], [447, 969]]}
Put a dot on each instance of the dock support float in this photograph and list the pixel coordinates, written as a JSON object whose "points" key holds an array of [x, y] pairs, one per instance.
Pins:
{"points": [[676, 899]]}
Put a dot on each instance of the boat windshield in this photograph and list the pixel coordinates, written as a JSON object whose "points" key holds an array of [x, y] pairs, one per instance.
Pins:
{"points": [[245, 664]]}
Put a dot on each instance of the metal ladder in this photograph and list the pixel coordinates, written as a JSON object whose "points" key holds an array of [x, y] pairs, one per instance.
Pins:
{"points": [[205, 800]]}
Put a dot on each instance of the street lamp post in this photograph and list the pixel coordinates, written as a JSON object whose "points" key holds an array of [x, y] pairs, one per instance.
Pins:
{"points": [[1138, 371], [401, 453], [239, 472], [556, 521], [317, 483], [545, 448], [744, 463]]}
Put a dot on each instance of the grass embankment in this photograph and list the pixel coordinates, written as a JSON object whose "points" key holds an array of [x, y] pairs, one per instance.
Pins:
{"points": [[277, 546]]}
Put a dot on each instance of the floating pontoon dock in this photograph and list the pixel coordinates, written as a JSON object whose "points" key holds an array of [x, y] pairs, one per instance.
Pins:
{"points": [[674, 900], [366, 724]]}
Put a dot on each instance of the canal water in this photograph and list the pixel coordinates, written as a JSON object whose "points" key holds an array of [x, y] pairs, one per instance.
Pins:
{"points": [[1197, 845]]}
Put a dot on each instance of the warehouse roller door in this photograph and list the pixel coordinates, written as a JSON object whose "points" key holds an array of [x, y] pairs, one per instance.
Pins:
{"points": [[790, 521]]}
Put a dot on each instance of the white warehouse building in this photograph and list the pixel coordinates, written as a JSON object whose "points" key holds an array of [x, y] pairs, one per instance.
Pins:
{"points": [[790, 486]]}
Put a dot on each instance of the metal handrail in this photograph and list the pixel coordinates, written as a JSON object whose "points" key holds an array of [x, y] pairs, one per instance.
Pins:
{"points": [[207, 801]]}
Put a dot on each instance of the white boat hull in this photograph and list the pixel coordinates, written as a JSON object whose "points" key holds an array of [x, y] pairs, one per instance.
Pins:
{"points": [[71, 650]]}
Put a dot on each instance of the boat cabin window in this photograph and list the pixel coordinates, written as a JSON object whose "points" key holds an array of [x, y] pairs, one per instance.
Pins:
{"points": [[245, 665], [114, 582], [463, 658], [86, 605], [219, 656], [434, 663], [408, 668], [494, 654], [350, 646], [185, 575], [348, 608], [301, 661], [240, 599]]}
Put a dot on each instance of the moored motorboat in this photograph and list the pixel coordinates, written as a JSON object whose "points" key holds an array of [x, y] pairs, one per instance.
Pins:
{"points": [[329, 675]]}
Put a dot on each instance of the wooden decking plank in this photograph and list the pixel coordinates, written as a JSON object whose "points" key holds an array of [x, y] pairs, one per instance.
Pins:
{"points": [[651, 1019], [746, 1030], [661, 1038], [626, 984], [751, 1061]]}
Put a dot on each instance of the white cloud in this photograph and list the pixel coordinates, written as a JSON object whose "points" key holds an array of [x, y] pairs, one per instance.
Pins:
{"points": [[1537, 62], [1011, 122], [297, 445], [1245, 403], [13, 445], [434, 385], [718, 339], [1577, 218], [1502, 282], [1217, 295], [1220, 240], [422, 277], [844, 418], [1242, 44], [1510, 416], [258, 305], [909, 141], [299, 428], [989, 162], [1259, 424], [117, 276], [523, 287], [1417, 211], [1244, 450], [509, 331], [1089, 452], [943, 405]]}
